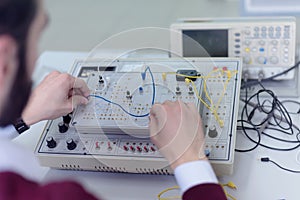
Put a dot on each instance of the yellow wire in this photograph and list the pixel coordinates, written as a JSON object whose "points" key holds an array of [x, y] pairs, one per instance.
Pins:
{"points": [[214, 112], [198, 96], [229, 76], [166, 190], [230, 184], [230, 196], [211, 107], [206, 93]]}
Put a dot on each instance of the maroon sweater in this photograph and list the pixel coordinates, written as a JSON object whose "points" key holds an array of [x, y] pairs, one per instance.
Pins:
{"points": [[205, 192], [15, 187]]}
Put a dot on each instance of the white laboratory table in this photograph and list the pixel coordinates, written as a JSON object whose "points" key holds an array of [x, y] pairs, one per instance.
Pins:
{"points": [[254, 179]]}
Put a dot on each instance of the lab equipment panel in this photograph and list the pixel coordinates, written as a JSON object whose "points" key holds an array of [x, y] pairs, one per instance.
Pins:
{"points": [[111, 133]]}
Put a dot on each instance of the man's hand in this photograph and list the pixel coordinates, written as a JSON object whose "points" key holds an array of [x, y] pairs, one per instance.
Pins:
{"points": [[176, 129], [57, 95]]}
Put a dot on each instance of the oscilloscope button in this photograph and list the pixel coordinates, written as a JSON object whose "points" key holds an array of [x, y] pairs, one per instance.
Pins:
{"points": [[286, 42], [274, 42], [247, 60], [247, 32], [247, 42], [261, 60], [262, 42], [274, 59]]}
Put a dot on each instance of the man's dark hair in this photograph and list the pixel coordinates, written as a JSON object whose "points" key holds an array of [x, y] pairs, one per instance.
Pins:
{"points": [[16, 17]]}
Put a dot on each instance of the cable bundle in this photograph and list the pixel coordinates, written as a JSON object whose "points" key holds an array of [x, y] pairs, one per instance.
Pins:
{"points": [[265, 115]]}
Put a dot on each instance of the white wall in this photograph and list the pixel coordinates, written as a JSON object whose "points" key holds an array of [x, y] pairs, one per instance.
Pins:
{"points": [[79, 25]]}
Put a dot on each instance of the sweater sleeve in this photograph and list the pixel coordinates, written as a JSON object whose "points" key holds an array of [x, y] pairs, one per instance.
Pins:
{"points": [[15, 187], [210, 191]]}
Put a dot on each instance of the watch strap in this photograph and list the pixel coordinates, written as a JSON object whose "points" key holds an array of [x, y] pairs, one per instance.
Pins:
{"points": [[20, 125]]}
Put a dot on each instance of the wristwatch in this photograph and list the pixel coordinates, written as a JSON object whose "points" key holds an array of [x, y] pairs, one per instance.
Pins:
{"points": [[20, 125]]}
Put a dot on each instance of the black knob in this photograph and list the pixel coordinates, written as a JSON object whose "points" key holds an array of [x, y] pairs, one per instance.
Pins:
{"points": [[71, 145], [212, 132], [101, 81], [63, 127], [51, 143], [67, 119]]}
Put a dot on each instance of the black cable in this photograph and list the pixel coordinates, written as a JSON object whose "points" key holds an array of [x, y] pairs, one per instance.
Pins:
{"points": [[260, 114], [272, 137], [266, 159], [256, 82], [257, 143], [293, 102]]}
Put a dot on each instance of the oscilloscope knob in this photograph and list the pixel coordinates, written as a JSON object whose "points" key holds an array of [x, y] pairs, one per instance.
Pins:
{"points": [[63, 127], [274, 59], [261, 60], [71, 145], [247, 60], [51, 143]]}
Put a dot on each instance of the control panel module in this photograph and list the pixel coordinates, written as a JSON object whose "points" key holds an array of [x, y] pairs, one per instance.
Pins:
{"points": [[111, 133]]}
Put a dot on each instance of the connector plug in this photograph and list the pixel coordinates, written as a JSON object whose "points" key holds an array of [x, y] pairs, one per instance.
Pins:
{"points": [[187, 81], [231, 185], [264, 159], [164, 76], [143, 74]]}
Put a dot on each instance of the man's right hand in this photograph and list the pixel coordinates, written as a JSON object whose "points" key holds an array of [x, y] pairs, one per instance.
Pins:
{"points": [[176, 129]]}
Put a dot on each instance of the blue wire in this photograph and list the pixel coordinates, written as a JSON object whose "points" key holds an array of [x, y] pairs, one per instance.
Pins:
{"points": [[133, 115], [153, 83]]}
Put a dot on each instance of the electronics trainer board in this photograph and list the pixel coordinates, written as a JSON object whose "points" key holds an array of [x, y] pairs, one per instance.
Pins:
{"points": [[110, 133]]}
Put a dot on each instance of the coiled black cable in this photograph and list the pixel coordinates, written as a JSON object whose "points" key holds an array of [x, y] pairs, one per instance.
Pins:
{"points": [[262, 112]]}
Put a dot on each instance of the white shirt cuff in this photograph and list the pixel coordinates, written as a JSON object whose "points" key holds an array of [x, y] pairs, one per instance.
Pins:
{"points": [[194, 173]]}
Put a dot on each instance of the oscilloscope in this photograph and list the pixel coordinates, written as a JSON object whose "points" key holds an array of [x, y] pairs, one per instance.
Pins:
{"points": [[266, 44], [110, 133]]}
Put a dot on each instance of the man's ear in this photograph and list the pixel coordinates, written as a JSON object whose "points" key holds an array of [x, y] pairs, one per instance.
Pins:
{"points": [[8, 59]]}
